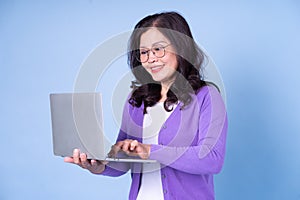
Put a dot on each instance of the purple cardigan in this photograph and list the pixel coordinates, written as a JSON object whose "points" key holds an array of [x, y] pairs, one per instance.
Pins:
{"points": [[191, 147]]}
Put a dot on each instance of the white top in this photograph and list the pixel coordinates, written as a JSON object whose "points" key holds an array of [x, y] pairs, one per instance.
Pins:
{"points": [[151, 186]]}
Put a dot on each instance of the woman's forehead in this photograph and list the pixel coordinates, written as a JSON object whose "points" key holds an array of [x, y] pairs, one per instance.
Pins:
{"points": [[152, 37]]}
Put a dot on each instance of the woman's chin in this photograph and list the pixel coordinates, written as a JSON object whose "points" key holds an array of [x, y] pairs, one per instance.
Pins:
{"points": [[157, 79]]}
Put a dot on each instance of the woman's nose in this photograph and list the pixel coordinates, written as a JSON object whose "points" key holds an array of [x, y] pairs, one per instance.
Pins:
{"points": [[152, 58]]}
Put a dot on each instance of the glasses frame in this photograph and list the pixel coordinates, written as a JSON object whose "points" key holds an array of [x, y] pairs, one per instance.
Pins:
{"points": [[152, 49]]}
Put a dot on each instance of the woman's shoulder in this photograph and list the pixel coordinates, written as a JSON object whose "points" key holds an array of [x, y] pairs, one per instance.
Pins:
{"points": [[208, 93], [207, 90]]}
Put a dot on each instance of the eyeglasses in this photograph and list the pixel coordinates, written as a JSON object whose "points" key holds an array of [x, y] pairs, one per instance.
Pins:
{"points": [[157, 50]]}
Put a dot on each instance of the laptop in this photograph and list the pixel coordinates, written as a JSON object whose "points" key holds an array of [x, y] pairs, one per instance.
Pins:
{"points": [[77, 122]]}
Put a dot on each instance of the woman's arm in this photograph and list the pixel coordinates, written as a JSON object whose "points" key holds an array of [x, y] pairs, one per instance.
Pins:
{"points": [[207, 156]]}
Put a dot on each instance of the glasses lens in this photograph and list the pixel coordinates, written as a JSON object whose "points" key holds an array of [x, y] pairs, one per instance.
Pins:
{"points": [[159, 51], [143, 55]]}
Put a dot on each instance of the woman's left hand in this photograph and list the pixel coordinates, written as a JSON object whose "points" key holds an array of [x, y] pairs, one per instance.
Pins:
{"points": [[131, 148]]}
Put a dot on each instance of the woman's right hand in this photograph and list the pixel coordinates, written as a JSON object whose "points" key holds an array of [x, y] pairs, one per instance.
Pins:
{"points": [[80, 159]]}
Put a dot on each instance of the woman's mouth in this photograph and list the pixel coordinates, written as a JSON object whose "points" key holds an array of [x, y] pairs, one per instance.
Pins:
{"points": [[156, 69]]}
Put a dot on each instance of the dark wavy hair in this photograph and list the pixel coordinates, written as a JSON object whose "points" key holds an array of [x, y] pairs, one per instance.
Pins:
{"points": [[189, 57]]}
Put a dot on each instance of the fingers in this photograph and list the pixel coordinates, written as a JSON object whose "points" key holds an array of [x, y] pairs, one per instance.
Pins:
{"points": [[68, 160], [94, 163], [128, 145], [131, 148], [84, 162], [133, 145], [114, 150], [76, 156], [81, 160], [124, 145]]}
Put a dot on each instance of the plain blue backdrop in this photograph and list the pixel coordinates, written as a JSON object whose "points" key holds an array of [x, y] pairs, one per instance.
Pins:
{"points": [[255, 45]]}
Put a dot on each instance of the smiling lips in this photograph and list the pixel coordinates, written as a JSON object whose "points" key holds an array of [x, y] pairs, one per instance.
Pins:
{"points": [[155, 69]]}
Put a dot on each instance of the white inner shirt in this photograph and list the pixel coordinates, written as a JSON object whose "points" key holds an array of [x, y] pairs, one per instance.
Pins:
{"points": [[151, 186]]}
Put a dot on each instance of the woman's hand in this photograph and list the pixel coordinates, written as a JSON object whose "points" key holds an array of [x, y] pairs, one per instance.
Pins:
{"points": [[131, 148], [80, 159]]}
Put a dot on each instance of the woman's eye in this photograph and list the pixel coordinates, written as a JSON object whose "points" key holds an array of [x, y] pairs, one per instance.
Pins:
{"points": [[157, 48], [143, 52]]}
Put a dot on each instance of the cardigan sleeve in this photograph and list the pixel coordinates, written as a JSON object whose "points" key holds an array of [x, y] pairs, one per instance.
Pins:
{"points": [[206, 156]]}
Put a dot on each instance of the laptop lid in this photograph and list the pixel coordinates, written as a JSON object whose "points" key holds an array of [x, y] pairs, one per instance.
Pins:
{"points": [[77, 122]]}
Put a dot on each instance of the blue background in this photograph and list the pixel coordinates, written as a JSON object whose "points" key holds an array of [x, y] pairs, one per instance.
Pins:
{"points": [[254, 44]]}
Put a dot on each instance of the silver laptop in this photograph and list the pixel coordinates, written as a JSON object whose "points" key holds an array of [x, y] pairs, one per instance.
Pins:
{"points": [[77, 122]]}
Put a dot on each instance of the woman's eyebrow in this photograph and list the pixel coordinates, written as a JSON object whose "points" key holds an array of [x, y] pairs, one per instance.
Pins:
{"points": [[154, 44], [159, 42]]}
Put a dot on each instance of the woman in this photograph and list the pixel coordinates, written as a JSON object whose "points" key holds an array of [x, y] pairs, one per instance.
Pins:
{"points": [[172, 116]]}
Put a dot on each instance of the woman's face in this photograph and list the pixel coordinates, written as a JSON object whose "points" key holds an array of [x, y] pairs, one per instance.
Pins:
{"points": [[161, 69]]}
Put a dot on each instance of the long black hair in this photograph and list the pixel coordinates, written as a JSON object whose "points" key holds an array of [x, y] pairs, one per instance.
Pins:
{"points": [[189, 57]]}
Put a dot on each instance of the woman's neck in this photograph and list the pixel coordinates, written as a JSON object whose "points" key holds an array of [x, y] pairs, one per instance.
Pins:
{"points": [[163, 94], [165, 86]]}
